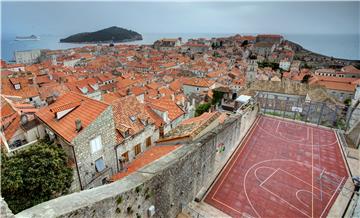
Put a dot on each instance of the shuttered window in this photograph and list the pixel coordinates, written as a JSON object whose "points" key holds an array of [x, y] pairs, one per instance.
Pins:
{"points": [[95, 144]]}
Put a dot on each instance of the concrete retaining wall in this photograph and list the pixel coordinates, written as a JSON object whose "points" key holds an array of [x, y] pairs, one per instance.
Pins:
{"points": [[167, 183]]}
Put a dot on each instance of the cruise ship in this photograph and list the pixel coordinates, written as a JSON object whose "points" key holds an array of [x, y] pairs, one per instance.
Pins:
{"points": [[27, 38]]}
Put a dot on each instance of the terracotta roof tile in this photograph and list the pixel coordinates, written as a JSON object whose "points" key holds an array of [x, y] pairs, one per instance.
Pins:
{"points": [[150, 155], [130, 114], [164, 104], [88, 110]]}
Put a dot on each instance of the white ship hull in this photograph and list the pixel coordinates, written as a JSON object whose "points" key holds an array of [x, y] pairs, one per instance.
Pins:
{"points": [[30, 38]]}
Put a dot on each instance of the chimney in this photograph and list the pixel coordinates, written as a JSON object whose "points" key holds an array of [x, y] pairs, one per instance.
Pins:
{"points": [[78, 125]]}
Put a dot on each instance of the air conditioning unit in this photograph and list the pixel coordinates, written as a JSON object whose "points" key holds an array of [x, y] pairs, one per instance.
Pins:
{"points": [[151, 211]]}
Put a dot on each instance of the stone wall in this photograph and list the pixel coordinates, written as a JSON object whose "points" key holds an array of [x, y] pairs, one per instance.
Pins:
{"points": [[129, 144], [167, 184], [5, 212], [103, 126]]}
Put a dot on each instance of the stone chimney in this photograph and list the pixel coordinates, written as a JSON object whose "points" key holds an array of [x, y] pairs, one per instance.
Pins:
{"points": [[78, 125]]}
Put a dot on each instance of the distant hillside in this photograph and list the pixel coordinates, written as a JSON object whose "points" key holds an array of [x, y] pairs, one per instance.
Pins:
{"points": [[115, 34], [318, 60]]}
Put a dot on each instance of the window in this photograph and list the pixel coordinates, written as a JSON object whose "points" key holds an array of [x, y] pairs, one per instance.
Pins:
{"points": [[148, 141], [17, 86], [161, 131], [99, 165], [133, 118], [95, 144], [104, 181], [126, 133], [137, 149], [125, 156]]}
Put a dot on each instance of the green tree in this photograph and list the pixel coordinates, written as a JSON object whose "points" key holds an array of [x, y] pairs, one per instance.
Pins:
{"points": [[202, 108], [347, 102], [244, 43], [264, 64], [306, 78], [34, 175], [217, 96]]}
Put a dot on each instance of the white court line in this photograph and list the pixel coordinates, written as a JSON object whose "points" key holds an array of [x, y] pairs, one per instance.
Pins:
{"points": [[277, 127], [227, 205], [327, 205], [320, 128], [244, 144], [285, 201], [270, 160], [312, 172], [295, 141], [303, 181], [261, 168], [320, 181], [256, 124], [269, 176], [299, 199]]}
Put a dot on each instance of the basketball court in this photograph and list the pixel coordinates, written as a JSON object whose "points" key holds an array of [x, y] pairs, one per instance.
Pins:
{"points": [[283, 169]]}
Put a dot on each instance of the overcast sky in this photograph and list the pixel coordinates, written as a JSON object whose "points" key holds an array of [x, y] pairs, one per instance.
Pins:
{"points": [[63, 18]]}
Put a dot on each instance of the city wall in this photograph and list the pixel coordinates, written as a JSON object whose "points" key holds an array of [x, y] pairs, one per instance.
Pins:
{"points": [[165, 185]]}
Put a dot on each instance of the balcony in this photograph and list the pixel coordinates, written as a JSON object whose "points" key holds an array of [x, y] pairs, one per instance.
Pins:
{"points": [[20, 144]]}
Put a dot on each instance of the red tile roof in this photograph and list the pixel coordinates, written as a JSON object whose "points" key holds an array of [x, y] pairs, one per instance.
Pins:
{"points": [[175, 86], [128, 114], [26, 90], [198, 82], [10, 119], [165, 104], [350, 69], [335, 83], [152, 154], [110, 97], [89, 84], [87, 111]]}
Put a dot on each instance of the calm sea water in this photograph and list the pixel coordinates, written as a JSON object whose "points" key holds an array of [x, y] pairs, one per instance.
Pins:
{"points": [[340, 46]]}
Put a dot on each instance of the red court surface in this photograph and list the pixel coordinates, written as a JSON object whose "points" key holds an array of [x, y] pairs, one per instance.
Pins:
{"points": [[283, 169]]}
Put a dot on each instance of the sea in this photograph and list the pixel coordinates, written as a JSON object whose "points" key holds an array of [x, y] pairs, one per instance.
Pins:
{"points": [[343, 46]]}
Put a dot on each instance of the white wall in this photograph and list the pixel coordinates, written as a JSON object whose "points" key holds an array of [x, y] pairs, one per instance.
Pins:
{"points": [[193, 89]]}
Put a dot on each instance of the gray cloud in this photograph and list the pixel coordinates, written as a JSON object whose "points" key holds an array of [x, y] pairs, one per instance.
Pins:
{"points": [[62, 18]]}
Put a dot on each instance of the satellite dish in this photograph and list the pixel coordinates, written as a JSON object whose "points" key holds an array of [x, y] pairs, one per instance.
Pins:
{"points": [[23, 119]]}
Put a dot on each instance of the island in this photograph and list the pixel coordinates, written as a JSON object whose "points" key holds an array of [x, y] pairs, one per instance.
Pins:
{"points": [[111, 34]]}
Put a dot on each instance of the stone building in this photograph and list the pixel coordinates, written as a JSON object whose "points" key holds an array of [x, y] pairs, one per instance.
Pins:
{"points": [[197, 86], [135, 130], [168, 113], [270, 38], [193, 128], [85, 129], [263, 49], [19, 128], [251, 71], [167, 44], [27, 57]]}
